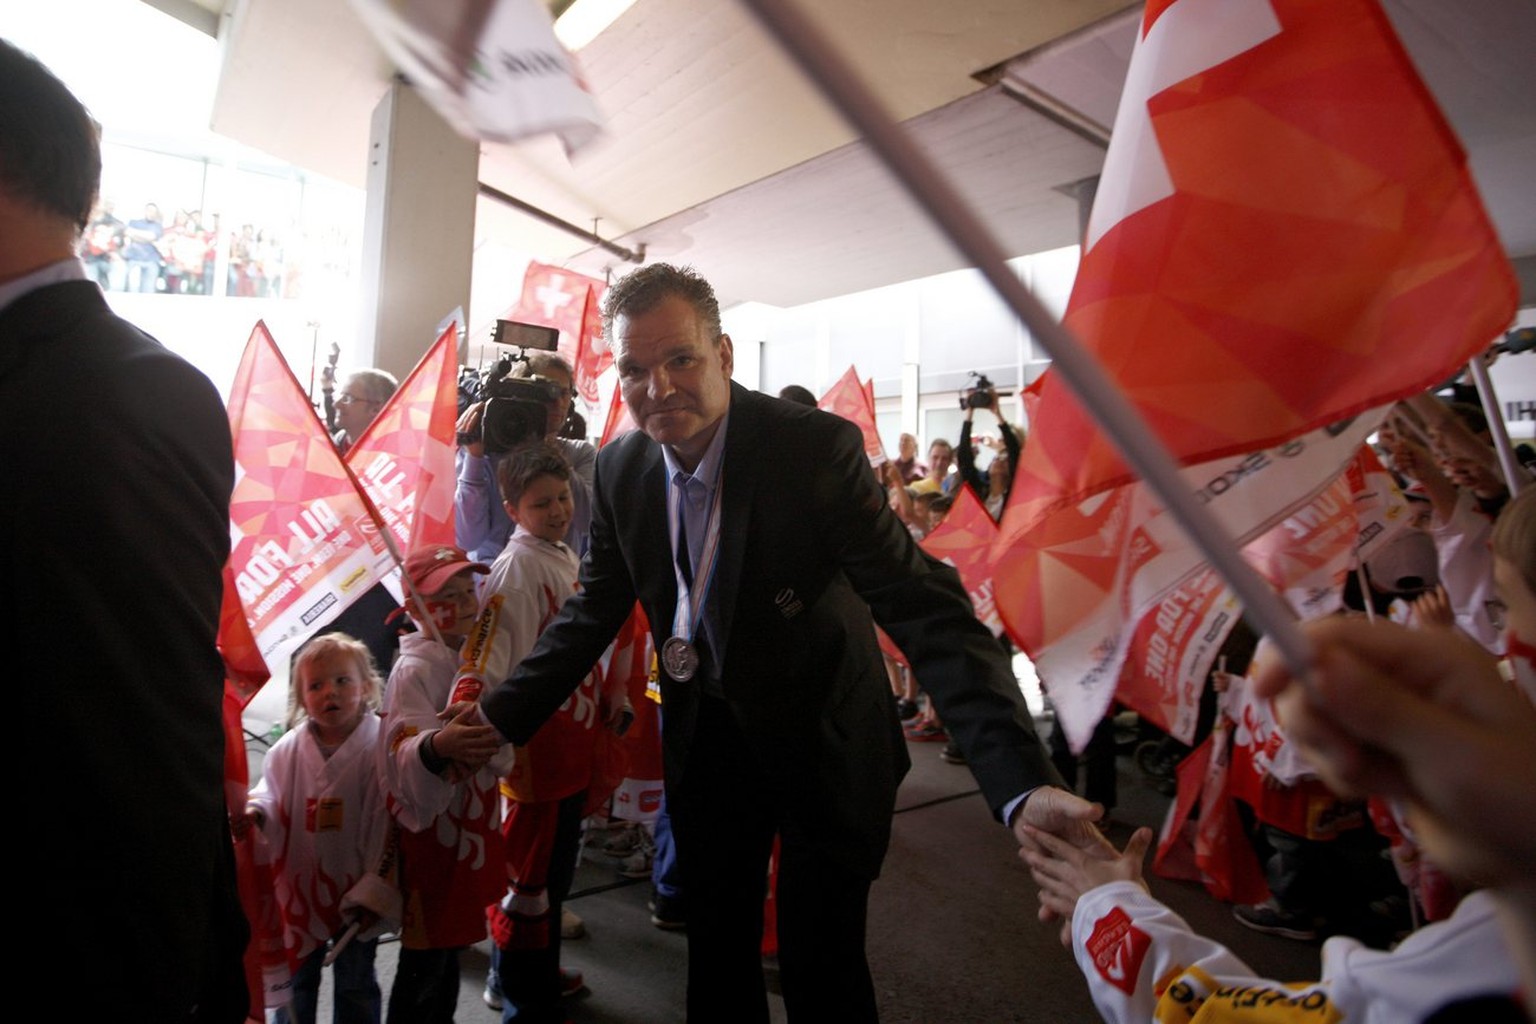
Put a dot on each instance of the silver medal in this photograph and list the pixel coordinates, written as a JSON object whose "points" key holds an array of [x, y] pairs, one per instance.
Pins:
{"points": [[680, 658]]}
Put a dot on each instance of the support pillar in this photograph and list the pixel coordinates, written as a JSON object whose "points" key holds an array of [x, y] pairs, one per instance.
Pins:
{"points": [[418, 229]]}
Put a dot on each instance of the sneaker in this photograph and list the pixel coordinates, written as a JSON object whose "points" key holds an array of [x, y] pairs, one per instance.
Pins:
{"points": [[951, 753], [1269, 918], [571, 926], [492, 992], [927, 732], [571, 982], [623, 844], [667, 913], [638, 864]]}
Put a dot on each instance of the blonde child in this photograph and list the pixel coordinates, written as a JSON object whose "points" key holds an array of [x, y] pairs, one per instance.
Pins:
{"points": [[552, 781], [321, 815], [439, 791]]}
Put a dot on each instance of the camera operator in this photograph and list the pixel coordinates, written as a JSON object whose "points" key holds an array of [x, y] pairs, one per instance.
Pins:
{"points": [[480, 521], [994, 486]]}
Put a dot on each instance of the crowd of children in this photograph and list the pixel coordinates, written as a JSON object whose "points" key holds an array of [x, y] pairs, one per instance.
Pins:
{"points": [[396, 822]]}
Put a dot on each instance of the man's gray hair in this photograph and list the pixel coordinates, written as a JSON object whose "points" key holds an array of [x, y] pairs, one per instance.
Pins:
{"points": [[376, 385], [644, 289]]}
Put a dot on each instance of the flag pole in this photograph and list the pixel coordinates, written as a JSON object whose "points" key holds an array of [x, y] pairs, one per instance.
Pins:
{"points": [[1514, 476], [1125, 427]]}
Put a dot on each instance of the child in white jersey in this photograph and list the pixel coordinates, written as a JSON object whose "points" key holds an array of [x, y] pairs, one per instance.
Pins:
{"points": [[440, 791], [321, 815], [554, 778]]}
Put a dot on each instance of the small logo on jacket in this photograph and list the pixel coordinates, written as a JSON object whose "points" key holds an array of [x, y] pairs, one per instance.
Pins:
{"points": [[788, 604]]}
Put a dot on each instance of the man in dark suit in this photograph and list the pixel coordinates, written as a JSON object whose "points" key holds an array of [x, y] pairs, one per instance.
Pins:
{"points": [[778, 717], [117, 470]]}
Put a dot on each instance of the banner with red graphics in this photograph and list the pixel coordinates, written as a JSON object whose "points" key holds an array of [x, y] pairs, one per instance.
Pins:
{"points": [[1172, 650], [571, 302], [304, 544], [1074, 592], [1306, 556], [1285, 234], [404, 459], [964, 540], [854, 401]]}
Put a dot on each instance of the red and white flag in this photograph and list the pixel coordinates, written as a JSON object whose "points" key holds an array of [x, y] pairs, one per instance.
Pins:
{"points": [[855, 402], [964, 541], [571, 302], [1285, 233], [404, 459], [1285, 236], [304, 544], [619, 421]]}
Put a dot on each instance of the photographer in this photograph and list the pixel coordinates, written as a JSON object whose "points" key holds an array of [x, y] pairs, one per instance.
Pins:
{"points": [[481, 523], [993, 487]]}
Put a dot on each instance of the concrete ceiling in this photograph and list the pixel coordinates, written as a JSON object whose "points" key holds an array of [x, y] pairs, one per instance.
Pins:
{"points": [[718, 152]]}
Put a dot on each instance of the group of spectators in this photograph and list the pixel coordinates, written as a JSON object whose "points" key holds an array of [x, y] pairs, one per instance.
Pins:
{"points": [[775, 725], [144, 254]]}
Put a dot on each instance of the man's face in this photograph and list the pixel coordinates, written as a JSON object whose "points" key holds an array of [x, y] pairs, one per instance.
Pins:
{"points": [[676, 378], [907, 447], [562, 404], [355, 410], [940, 457]]}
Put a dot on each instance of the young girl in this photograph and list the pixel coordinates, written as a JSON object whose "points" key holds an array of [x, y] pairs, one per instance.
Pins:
{"points": [[451, 861], [321, 815]]}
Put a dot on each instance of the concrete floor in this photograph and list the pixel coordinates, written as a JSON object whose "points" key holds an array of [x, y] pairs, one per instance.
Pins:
{"points": [[952, 929]]}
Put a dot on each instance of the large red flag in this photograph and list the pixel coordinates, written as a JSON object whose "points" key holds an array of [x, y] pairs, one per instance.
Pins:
{"points": [[1285, 236], [572, 302], [964, 540], [854, 402], [1285, 233], [404, 459], [304, 544], [619, 421]]}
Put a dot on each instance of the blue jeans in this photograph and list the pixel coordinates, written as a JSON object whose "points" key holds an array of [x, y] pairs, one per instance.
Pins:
{"points": [[143, 275], [667, 880], [358, 1000]]}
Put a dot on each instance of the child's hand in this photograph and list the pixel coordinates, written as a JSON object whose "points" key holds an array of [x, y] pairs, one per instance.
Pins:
{"points": [[1064, 871], [240, 824], [466, 742], [618, 713], [1432, 609]]}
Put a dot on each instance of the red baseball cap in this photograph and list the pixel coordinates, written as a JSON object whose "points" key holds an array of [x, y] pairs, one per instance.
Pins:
{"points": [[431, 567]]}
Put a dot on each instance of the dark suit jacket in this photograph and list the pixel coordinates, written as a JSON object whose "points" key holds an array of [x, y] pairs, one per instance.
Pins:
{"points": [[117, 469], [808, 550]]}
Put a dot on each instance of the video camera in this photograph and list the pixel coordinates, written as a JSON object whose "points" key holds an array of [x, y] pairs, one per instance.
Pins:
{"points": [[516, 407], [982, 394]]}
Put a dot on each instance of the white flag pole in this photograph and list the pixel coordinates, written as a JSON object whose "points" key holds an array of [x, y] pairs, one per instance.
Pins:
{"points": [[1120, 421], [1514, 475]]}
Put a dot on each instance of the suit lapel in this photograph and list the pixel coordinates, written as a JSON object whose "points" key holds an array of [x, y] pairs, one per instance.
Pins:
{"points": [[735, 507], [654, 552]]}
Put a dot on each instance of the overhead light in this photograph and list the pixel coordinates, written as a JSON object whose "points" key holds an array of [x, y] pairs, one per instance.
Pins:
{"points": [[585, 20]]}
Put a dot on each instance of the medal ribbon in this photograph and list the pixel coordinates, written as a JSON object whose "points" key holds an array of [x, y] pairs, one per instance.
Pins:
{"points": [[690, 599]]}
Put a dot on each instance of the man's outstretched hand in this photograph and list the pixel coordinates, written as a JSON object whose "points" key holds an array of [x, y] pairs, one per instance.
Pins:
{"points": [[1070, 819]]}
